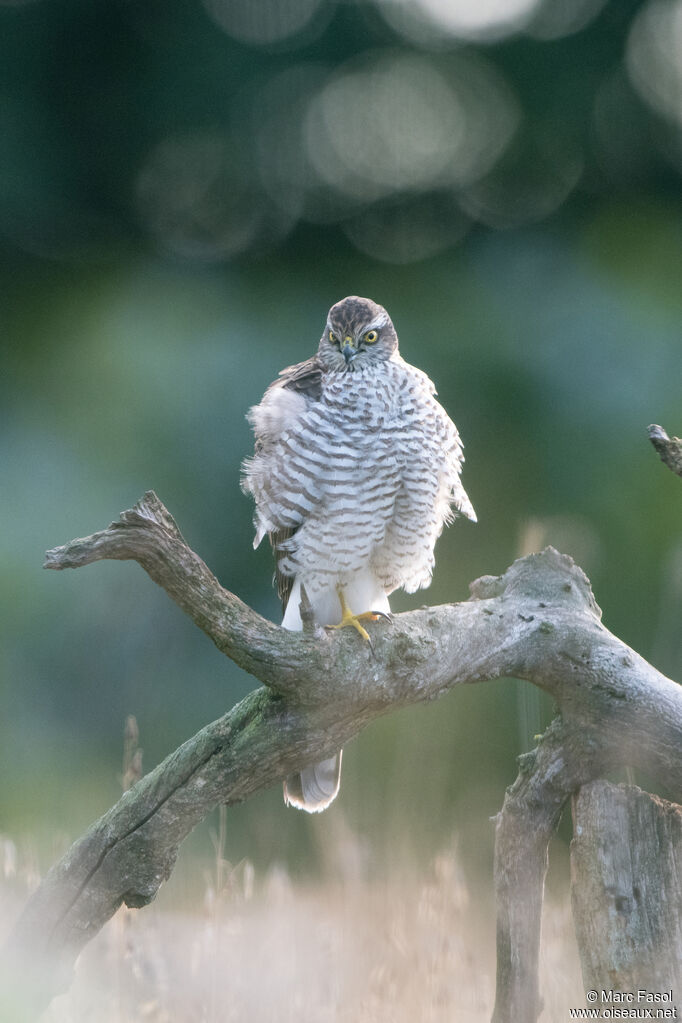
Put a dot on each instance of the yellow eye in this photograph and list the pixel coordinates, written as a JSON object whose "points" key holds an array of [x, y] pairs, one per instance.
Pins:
{"points": [[371, 336], [332, 337]]}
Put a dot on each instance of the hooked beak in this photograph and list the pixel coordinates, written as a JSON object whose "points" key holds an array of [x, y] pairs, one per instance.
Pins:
{"points": [[348, 351]]}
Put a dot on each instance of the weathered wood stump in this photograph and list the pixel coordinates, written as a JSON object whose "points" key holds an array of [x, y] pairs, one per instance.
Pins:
{"points": [[626, 889]]}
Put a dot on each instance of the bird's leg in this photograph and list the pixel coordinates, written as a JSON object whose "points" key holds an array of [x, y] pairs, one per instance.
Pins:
{"points": [[348, 618]]}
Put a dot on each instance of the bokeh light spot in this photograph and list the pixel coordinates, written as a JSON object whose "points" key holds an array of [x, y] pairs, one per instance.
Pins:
{"points": [[654, 57], [535, 177], [264, 21], [409, 228], [556, 18], [278, 111], [199, 200], [482, 20], [390, 123], [396, 125]]}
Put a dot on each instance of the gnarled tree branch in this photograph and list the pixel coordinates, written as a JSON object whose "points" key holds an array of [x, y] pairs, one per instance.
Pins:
{"points": [[538, 621]]}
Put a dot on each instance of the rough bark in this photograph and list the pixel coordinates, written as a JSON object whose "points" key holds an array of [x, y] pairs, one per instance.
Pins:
{"points": [[626, 889], [538, 621]]}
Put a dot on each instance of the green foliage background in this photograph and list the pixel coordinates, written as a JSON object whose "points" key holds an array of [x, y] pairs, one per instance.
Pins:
{"points": [[140, 319]]}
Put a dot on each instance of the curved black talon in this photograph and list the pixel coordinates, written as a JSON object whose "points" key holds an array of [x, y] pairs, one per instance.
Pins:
{"points": [[386, 615]]}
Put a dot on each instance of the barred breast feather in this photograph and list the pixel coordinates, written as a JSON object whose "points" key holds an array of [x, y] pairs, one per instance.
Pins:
{"points": [[353, 472]]}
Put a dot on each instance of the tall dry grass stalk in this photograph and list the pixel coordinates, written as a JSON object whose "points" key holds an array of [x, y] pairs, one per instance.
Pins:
{"points": [[415, 945], [264, 950]]}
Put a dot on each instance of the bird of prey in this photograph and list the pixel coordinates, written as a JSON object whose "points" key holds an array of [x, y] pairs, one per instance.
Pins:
{"points": [[355, 472]]}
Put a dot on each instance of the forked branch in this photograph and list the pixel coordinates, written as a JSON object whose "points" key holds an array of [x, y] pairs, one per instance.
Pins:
{"points": [[538, 621]]}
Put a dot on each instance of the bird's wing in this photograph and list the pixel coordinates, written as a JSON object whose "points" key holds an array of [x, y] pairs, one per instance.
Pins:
{"points": [[304, 378], [281, 409], [283, 583], [452, 466]]}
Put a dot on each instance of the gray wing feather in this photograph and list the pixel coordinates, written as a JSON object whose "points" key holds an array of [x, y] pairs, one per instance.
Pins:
{"points": [[283, 583], [269, 418], [304, 377]]}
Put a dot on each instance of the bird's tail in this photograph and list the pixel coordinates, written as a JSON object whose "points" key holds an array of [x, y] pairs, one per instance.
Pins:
{"points": [[315, 787]]}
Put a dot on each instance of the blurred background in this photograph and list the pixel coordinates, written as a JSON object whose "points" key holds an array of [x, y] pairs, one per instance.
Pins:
{"points": [[185, 189]]}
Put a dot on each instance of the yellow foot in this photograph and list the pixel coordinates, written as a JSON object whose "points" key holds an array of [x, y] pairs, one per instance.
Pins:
{"points": [[348, 618]]}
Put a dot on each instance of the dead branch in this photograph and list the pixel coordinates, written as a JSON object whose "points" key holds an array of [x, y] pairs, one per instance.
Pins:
{"points": [[669, 448], [538, 621]]}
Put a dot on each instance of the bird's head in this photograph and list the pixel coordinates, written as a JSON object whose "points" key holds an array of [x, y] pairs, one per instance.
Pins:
{"points": [[358, 333]]}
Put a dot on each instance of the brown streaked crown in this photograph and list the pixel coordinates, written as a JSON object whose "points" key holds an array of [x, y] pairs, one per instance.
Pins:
{"points": [[354, 317]]}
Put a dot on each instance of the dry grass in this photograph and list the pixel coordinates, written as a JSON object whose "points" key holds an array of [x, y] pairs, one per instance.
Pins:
{"points": [[262, 950]]}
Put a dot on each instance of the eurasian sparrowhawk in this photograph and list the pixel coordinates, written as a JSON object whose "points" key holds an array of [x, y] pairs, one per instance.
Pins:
{"points": [[356, 470]]}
